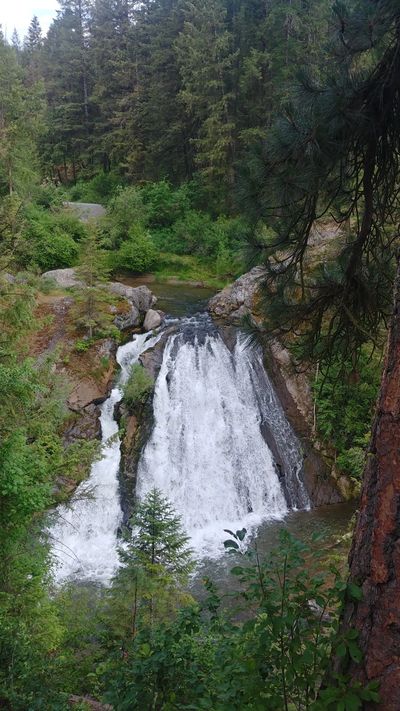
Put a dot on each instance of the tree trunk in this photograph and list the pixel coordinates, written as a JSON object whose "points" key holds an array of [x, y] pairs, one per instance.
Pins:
{"points": [[375, 554]]}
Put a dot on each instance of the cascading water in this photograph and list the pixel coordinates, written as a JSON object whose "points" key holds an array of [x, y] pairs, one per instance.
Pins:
{"points": [[84, 534], [207, 452]]}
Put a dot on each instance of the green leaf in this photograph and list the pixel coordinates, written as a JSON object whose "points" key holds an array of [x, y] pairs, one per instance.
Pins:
{"points": [[231, 544], [237, 570]]}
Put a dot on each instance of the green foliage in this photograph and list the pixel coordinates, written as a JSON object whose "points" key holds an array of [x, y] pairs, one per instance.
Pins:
{"points": [[99, 189], [138, 386], [49, 239], [91, 303], [32, 459], [136, 254], [155, 565], [269, 650], [345, 400], [158, 217]]}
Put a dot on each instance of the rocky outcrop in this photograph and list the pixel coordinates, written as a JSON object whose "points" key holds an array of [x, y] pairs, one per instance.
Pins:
{"points": [[238, 299], [139, 300], [130, 319], [93, 386], [63, 278], [140, 296], [292, 385], [86, 211]]}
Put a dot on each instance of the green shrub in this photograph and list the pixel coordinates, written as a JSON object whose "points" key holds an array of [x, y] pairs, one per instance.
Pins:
{"points": [[136, 254], [138, 386], [126, 210], [99, 189], [165, 205], [345, 404]]}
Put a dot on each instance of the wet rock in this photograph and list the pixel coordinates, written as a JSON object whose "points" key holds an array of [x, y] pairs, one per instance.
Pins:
{"points": [[153, 357], [84, 425], [153, 320], [130, 319], [238, 299], [63, 278]]}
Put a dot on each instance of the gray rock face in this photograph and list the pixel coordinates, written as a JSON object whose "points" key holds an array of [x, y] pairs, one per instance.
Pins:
{"points": [[64, 278], [237, 300], [140, 296], [153, 319], [86, 211], [129, 320]]}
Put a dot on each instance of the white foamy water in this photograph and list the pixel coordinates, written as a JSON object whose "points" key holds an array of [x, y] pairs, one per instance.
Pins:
{"points": [[207, 453], [84, 534]]}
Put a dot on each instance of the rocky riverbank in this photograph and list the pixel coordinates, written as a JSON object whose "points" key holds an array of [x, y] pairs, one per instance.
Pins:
{"points": [[86, 368]]}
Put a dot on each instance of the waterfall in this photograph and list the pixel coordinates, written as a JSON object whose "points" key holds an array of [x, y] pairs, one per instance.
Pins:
{"points": [[207, 452], [84, 532]]}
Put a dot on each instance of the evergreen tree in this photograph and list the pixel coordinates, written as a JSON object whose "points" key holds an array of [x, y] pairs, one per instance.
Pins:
{"points": [[155, 565], [112, 68], [68, 85], [157, 537], [206, 57], [335, 151], [20, 114], [32, 48], [156, 135], [91, 303]]}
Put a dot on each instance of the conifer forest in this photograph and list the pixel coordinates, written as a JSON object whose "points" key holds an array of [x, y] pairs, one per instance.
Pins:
{"points": [[200, 356]]}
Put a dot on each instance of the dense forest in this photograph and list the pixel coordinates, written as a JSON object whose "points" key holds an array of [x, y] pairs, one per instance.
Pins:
{"points": [[217, 135]]}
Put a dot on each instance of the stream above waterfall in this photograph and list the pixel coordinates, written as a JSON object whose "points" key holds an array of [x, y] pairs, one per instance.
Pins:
{"points": [[215, 413]]}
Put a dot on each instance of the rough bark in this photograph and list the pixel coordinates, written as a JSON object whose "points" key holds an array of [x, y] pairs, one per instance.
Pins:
{"points": [[375, 554]]}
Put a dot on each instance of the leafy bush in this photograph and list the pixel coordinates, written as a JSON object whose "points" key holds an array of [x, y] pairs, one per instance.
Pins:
{"points": [[126, 210], [138, 386], [269, 651], [344, 405], [165, 205], [99, 189], [136, 254], [47, 243]]}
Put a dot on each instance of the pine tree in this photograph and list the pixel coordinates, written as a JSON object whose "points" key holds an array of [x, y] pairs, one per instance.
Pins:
{"points": [[334, 151], [68, 86], [111, 62], [205, 54], [156, 132], [33, 44], [157, 538], [155, 565], [20, 116], [91, 302]]}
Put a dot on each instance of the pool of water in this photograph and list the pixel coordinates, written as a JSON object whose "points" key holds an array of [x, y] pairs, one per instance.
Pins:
{"points": [[175, 299]]}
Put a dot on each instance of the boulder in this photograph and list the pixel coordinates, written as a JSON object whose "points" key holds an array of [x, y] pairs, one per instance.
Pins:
{"points": [[7, 278], [153, 320], [237, 300], [130, 319], [63, 278], [140, 296], [86, 211]]}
